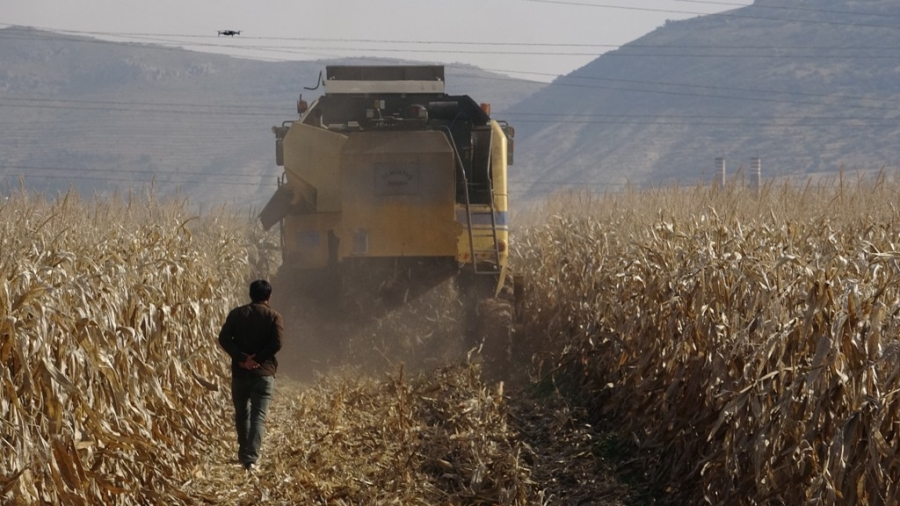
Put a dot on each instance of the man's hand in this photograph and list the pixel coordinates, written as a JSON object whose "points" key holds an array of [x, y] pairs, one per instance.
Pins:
{"points": [[249, 363]]}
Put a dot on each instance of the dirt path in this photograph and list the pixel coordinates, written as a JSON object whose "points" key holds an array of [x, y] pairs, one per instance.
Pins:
{"points": [[439, 439], [220, 478]]}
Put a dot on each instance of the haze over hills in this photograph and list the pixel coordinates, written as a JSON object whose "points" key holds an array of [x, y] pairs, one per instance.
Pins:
{"points": [[806, 86], [102, 115]]}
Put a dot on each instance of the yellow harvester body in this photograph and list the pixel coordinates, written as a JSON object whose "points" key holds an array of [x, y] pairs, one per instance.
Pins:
{"points": [[387, 173]]}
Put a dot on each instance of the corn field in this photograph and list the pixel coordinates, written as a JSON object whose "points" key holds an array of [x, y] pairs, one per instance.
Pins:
{"points": [[744, 346], [110, 371], [113, 389]]}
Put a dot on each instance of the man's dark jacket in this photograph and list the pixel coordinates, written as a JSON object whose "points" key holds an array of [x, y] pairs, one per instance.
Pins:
{"points": [[254, 329]]}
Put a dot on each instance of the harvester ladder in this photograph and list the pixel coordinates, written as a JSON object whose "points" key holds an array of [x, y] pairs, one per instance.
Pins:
{"points": [[493, 231], [492, 234]]}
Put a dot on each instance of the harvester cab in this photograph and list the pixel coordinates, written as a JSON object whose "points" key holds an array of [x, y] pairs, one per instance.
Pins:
{"points": [[391, 186]]}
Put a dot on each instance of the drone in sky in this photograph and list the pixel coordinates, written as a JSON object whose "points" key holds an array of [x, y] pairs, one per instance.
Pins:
{"points": [[229, 33]]}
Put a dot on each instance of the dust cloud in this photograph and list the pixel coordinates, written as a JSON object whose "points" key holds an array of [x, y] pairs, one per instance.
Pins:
{"points": [[423, 334]]}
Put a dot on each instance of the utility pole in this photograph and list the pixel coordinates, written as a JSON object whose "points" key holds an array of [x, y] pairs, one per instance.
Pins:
{"points": [[756, 164], [720, 168]]}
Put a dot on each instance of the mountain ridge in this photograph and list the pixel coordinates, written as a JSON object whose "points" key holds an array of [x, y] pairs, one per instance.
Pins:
{"points": [[807, 87], [660, 109], [97, 115]]}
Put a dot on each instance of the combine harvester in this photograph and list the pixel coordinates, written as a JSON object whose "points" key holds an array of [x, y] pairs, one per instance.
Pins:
{"points": [[390, 188]]}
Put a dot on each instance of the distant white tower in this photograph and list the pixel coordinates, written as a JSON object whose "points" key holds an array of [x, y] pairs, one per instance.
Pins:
{"points": [[756, 166], [720, 168]]}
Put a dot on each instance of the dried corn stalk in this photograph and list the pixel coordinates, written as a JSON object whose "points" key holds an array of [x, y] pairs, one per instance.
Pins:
{"points": [[111, 379], [113, 390], [748, 347]]}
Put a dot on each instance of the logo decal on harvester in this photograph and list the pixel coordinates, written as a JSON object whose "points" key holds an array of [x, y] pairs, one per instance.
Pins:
{"points": [[392, 179]]}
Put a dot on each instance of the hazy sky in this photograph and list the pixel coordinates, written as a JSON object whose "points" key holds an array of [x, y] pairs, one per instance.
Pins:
{"points": [[500, 35]]}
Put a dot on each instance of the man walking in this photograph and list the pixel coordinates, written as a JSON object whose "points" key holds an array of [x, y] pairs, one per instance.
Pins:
{"points": [[252, 336]]}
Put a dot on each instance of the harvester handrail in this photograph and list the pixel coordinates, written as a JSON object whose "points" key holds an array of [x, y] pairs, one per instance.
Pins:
{"points": [[490, 181], [462, 171]]}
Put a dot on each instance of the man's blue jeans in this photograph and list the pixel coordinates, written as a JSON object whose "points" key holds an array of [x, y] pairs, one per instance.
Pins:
{"points": [[251, 398]]}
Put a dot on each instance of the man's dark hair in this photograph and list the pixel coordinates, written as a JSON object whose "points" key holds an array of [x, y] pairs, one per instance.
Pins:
{"points": [[260, 290]]}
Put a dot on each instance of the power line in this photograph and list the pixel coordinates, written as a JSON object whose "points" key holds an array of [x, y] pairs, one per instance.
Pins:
{"points": [[620, 7], [129, 171], [492, 43], [431, 42], [168, 106], [256, 111], [133, 102], [727, 88], [741, 123], [209, 182], [702, 95], [214, 182], [75, 177], [132, 109], [730, 14], [498, 78], [548, 75], [172, 45], [694, 116], [535, 117], [562, 119], [623, 51], [792, 8], [626, 50]]}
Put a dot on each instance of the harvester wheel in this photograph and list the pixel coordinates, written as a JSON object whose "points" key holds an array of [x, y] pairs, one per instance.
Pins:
{"points": [[494, 332]]}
